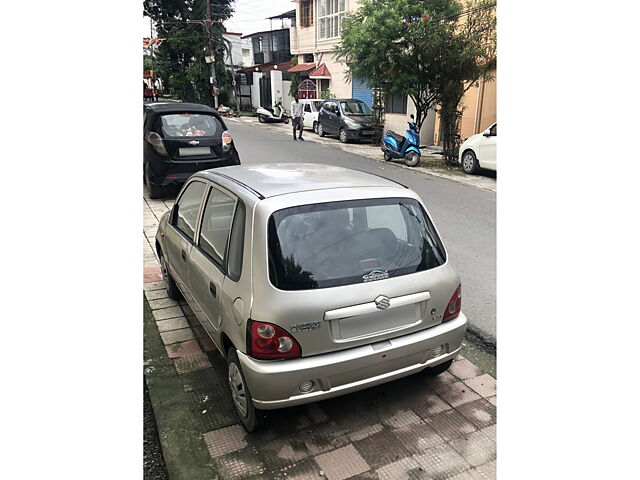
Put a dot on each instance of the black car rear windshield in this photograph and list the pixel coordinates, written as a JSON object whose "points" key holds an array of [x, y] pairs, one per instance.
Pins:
{"points": [[188, 125], [356, 241]]}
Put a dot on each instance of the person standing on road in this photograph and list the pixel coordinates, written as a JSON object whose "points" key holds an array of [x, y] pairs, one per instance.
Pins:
{"points": [[297, 112]]}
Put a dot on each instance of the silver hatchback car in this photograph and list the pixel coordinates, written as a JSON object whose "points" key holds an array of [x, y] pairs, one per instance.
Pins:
{"points": [[313, 281]]}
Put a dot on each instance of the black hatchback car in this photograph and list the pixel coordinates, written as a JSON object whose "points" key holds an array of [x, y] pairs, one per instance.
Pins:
{"points": [[181, 139], [348, 118]]}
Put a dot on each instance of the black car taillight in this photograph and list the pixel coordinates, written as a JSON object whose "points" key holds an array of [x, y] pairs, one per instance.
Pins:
{"points": [[156, 141], [454, 305], [267, 341]]}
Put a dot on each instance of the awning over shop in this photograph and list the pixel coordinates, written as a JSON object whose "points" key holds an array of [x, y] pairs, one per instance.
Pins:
{"points": [[322, 73], [303, 67]]}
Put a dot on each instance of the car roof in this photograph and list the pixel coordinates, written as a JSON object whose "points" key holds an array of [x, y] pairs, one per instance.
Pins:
{"points": [[169, 107], [272, 179]]}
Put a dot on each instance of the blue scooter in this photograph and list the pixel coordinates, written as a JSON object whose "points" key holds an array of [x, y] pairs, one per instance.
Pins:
{"points": [[397, 146]]}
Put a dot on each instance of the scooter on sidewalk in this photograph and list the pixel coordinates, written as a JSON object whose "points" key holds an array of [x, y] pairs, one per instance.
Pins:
{"points": [[275, 114], [397, 146]]}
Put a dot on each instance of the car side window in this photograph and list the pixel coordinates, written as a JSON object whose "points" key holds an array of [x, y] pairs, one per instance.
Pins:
{"points": [[216, 225], [307, 107], [187, 209], [236, 243], [494, 130]]}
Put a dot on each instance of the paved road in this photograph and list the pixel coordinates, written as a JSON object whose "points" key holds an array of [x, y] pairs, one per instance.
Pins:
{"points": [[465, 215]]}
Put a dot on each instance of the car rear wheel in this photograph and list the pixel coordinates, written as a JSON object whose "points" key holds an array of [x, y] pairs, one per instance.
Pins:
{"points": [[155, 191], [172, 289], [438, 369], [343, 136], [469, 162], [412, 159], [315, 127], [252, 418]]}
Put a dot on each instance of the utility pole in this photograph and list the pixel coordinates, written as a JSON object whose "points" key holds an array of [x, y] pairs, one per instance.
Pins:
{"points": [[213, 63]]}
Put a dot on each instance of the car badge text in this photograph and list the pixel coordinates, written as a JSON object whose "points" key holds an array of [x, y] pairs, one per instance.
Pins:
{"points": [[305, 327], [375, 275]]}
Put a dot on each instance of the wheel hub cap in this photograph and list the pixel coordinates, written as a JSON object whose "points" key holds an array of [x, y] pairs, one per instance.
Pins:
{"points": [[238, 392]]}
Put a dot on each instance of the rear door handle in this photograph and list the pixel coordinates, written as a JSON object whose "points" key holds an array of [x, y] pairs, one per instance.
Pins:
{"points": [[212, 289], [184, 255]]}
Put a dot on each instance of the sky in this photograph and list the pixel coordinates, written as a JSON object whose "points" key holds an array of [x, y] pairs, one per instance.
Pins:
{"points": [[249, 17]]}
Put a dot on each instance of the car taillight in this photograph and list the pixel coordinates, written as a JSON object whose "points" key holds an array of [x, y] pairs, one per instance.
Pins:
{"points": [[268, 341], [226, 140], [453, 308], [156, 141]]}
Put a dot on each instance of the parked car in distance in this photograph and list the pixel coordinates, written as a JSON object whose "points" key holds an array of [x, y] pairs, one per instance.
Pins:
{"points": [[180, 139], [348, 118], [479, 151], [311, 109], [313, 281]]}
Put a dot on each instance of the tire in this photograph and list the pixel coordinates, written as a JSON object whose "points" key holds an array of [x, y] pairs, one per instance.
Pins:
{"points": [[252, 418], [411, 159], [387, 157], [321, 132], [285, 119], [342, 135], [261, 118], [470, 162], [172, 289], [315, 127], [155, 191], [438, 369]]}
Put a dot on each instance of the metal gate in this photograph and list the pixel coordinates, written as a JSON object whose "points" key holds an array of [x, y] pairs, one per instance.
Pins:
{"points": [[265, 92], [307, 89]]}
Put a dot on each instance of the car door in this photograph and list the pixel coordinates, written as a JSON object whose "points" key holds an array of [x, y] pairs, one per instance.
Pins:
{"points": [[308, 119], [208, 262], [180, 233], [332, 117], [487, 149]]}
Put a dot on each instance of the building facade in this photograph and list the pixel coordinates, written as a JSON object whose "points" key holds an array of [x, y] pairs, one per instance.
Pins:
{"points": [[313, 37], [271, 46]]}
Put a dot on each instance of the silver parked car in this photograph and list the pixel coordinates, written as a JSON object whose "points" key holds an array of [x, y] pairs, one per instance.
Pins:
{"points": [[313, 281]]}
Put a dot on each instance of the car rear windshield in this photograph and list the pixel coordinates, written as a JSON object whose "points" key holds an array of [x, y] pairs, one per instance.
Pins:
{"points": [[355, 108], [356, 241], [188, 125]]}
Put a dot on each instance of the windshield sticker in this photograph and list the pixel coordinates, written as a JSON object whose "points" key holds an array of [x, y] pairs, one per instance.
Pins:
{"points": [[375, 275]]}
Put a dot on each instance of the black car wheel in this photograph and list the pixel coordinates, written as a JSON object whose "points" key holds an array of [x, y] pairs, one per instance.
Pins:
{"points": [[172, 289], [438, 369], [469, 162], [315, 127], [343, 136], [155, 191], [320, 130], [252, 418]]}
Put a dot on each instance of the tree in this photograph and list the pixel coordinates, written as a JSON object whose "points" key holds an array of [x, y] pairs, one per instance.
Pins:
{"points": [[393, 44], [180, 60], [471, 57], [430, 50]]}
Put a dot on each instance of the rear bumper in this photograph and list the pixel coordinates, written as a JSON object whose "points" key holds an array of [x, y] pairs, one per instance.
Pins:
{"points": [[275, 384], [166, 172]]}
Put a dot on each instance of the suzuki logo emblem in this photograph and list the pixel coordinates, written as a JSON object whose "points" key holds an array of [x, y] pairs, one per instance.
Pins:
{"points": [[194, 142], [382, 302]]}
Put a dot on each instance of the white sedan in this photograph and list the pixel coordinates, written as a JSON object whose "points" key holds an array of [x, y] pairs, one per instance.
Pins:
{"points": [[479, 151]]}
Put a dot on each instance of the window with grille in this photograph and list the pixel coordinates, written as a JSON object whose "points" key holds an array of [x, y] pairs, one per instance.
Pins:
{"points": [[306, 13], [330, 14]]}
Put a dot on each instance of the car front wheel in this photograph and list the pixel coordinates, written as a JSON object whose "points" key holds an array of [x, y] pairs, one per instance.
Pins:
{"points": [[252, 418], [320, 130], [469, 162], [343, 136]]}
